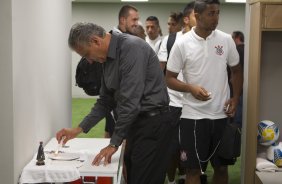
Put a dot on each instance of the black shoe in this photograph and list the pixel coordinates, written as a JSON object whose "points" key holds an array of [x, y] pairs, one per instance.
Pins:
{"points": [[181, 181], [204, 179]]}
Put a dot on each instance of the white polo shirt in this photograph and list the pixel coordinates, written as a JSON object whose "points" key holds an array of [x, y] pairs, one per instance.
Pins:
{"points": [[203, 63], [175, 97], [162, 54], [155, 44]]}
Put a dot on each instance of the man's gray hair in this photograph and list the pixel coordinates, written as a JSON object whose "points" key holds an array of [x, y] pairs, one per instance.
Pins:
{"points": [[81, 33]]}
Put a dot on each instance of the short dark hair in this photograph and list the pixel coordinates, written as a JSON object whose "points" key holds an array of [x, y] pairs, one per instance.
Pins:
{"points": [[124, 11], [81, 33], [188, 9], [238, 34], [200, 5], [177, 17], [153, 18]]}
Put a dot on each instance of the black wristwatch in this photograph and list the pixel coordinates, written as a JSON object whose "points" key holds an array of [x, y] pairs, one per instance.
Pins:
{"points": [[113, 145]]}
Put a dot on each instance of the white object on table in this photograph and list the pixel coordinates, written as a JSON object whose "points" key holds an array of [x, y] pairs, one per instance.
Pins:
{"points": [[88, 148], [60, 145], [64, 156]]}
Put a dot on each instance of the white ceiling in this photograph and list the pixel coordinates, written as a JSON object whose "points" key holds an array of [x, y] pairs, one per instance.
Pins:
{"points": [[150, 1]]}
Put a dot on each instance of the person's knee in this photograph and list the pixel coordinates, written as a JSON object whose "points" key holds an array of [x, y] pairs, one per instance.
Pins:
{"points": [[221, 170], [193, 172]]}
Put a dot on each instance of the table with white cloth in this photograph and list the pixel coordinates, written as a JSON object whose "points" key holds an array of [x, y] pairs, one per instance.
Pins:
{"points": [[85, 150]]}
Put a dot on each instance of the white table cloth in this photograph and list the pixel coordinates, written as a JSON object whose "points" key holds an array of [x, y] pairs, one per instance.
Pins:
{"points": [[55, 171]]}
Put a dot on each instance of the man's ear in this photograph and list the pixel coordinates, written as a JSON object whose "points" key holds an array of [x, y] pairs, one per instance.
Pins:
{"points": [[95, 40], [122, 20], [186, 20]]}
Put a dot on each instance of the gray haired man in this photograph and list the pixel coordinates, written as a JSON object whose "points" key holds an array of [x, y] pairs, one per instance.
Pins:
{"points": [[133, 85]]}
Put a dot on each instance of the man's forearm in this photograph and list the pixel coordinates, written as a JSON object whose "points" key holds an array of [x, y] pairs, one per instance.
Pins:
{"points": [[237, 82]]}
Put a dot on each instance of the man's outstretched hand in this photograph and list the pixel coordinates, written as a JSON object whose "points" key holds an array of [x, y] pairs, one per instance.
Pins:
{"points": [[106, 153], [66, 134]]}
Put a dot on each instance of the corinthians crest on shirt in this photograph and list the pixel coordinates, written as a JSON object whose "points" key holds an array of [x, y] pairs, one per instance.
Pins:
{"points": [[219, 50], [183, 155]]}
